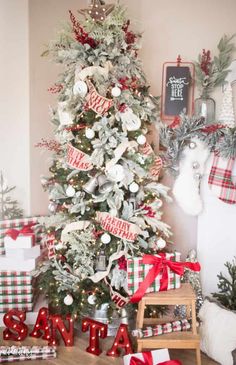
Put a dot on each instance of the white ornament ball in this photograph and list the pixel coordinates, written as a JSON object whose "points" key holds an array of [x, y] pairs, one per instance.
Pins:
{"points": [[161, 243], [89, 133], [68, 300], [92, 299], [70, 191], [80, 88], [106, 238], [134, 187], [116, 91], [116, 173], [141, 139]]}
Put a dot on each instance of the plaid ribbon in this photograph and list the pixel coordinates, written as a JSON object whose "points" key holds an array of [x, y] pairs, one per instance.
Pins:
{"points": [[220, 179]]}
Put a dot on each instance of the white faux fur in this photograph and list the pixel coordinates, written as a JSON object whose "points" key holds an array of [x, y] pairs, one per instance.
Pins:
{"points": [[218, 335], [186, 187]]}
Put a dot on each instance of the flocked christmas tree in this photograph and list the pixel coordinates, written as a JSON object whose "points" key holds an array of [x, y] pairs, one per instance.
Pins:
{"points": [[9, 208], [105, 198]]}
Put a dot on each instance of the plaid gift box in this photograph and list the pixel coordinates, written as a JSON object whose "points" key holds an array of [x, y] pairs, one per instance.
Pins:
{"points": [[15, 290], [220, 179], [28, 307], [137, 272], [16, 298], [18, 224]]}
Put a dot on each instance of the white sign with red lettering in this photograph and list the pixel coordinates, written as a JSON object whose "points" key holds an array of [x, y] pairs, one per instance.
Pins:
{"points": [[96, 102], [77, 159], [118, 227]]}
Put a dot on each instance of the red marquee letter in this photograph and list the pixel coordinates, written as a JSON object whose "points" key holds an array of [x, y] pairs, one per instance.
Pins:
{"points": [[17, 326], [42, 325], [58, 324], [121, 341], [97, 330]]}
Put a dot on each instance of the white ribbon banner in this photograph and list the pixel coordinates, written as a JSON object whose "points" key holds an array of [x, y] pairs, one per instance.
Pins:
{"points": [[118, 227], [77, 159]]}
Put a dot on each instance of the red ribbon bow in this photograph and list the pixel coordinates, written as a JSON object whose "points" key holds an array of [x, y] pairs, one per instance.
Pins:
{"points": [[14, 233], [161, 265], [147, 356]]}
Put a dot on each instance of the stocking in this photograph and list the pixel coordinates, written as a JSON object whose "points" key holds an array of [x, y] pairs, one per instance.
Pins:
{"points": [[220, 179], [186, 188]]}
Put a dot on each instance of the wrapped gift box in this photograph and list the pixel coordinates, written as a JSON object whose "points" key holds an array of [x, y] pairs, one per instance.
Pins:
{"points": [[158, 356], [18, 224], [22, 253], [28, 307], [15, 279], [137, 272], [16, 298], [25, 241], [23, 265]]}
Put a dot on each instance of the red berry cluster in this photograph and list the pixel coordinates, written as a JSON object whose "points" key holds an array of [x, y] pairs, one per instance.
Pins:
{"points": [[80, 35]]}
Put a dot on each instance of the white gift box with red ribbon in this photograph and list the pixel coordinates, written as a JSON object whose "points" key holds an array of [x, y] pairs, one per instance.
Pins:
{"points": [[22, 253], [157, 357]]}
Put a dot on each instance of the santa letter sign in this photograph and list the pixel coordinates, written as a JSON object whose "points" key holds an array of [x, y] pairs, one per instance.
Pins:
{"points": [[177, 89]]}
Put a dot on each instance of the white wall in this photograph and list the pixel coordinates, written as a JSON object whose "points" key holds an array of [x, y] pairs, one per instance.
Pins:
{"points": [[14, 97]]}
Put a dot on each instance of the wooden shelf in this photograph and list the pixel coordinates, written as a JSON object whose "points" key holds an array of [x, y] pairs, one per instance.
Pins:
{"points": [[176, 340]]}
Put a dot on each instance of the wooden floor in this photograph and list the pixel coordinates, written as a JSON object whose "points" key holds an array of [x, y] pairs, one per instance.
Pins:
{"points": [[78, 356]]}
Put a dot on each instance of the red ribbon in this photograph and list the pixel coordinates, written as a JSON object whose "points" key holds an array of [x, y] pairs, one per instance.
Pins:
{"points": [[14, 233], [161, 265], [148, 360]]}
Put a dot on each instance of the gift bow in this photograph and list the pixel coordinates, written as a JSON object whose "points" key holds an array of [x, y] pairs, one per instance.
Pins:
{"points": [[161, 265], [148, 360], [14, 233]]}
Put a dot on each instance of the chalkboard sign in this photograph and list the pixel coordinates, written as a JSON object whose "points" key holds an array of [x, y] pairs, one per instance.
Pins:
{"points": [[177, 90]]}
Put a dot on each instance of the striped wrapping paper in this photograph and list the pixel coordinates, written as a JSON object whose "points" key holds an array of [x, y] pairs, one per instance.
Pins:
{"points": [[26, 350], [18, 224], [5, 359], [137, 271], [175, 326]]}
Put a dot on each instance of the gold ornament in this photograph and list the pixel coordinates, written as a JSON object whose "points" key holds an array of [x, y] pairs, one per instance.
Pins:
{"points": [[98, 10]]}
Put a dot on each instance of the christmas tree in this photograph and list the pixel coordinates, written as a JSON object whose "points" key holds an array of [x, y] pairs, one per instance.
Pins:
{"points": [[105, 197], [227, 286], [9, 208]]}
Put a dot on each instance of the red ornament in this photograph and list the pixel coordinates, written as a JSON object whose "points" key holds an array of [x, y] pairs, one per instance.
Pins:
{"points": [[122, 341], [97, 330], [66, 334], [42, 326], [19, 328]]}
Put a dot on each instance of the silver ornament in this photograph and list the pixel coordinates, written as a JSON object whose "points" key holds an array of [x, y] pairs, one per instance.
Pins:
{"points": [[161, 243], [91, 186], [105, 185]]}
